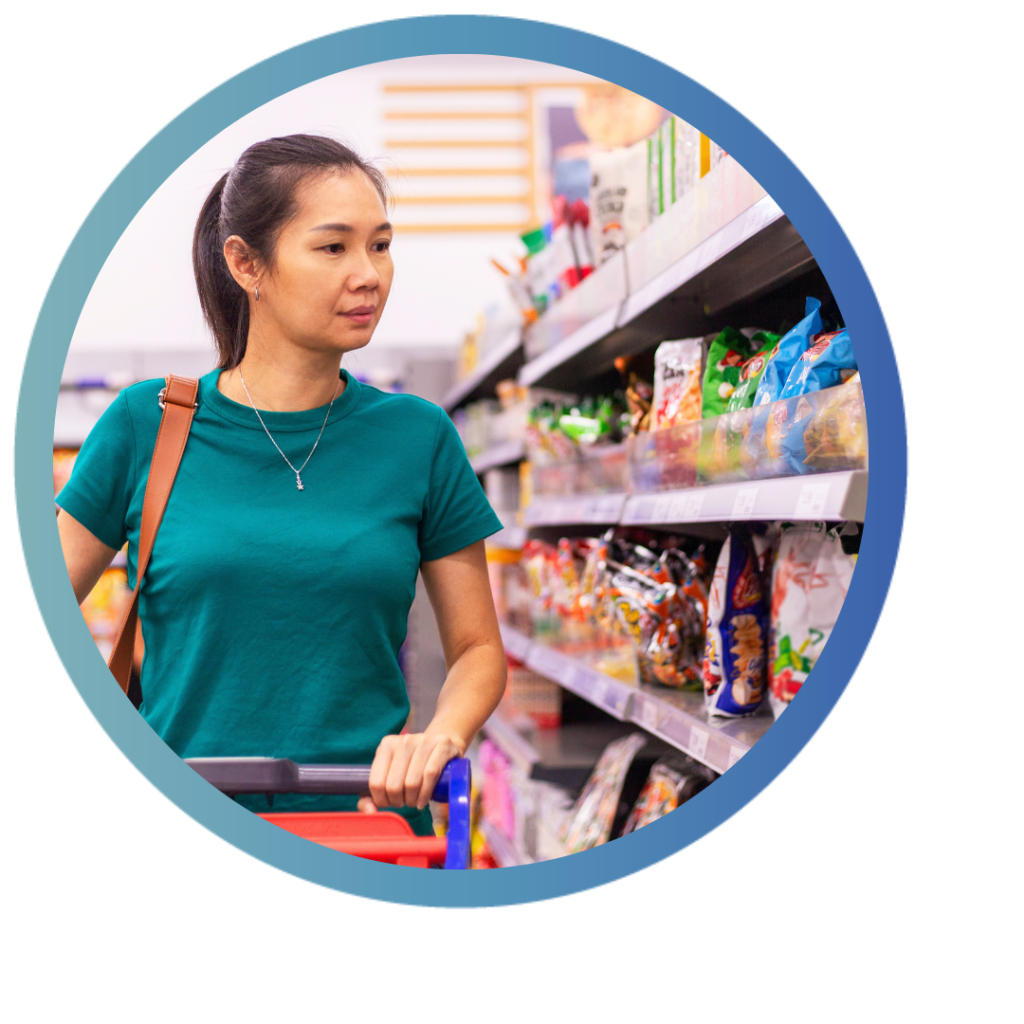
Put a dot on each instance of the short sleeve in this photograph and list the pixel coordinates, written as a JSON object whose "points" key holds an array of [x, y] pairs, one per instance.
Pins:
{"points": [[456, 511], [103, 479]]}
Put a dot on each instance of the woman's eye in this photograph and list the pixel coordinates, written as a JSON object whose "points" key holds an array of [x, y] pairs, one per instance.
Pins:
{"points": [[334, 248], [382, 246]]}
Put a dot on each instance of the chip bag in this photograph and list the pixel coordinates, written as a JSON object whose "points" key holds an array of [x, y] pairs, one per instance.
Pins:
{"points": [[727, 354], [837, 435], [751, 371], [810, 580], [677, 397], [828, 362], [736, 643], [786, 353], [674, 779]]}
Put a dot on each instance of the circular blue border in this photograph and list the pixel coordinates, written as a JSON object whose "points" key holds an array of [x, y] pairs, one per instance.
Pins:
{"points": [[411, 37]]}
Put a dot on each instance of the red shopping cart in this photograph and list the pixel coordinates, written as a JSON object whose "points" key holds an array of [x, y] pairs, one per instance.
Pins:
{"points": [[384, 836]]}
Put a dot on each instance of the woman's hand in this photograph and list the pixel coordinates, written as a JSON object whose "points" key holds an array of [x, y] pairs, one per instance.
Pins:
{"points": [[406, 768]]}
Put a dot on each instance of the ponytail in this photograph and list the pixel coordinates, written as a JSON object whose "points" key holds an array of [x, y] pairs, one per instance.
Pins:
{"points": [[254, 201], [224, 303]]}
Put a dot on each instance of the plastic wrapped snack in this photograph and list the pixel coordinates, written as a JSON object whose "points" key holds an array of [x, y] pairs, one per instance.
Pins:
{"points": [[809, 584], [589, 824], [727, 354], [837, 435], [674, 779], [677, 378], [618, 197], [827, 363], [786, 354], [735, 646], [751, 371]]}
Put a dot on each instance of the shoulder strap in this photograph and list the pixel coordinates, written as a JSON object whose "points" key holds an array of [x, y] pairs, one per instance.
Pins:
{"points": [[178, 400]]}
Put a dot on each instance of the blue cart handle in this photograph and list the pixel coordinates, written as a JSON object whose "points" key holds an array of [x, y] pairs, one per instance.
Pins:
{"points": [[234, 775]]}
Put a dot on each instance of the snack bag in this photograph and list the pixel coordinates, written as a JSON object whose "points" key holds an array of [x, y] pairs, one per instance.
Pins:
{"points": [[589, 824], [827, 363], [811, 577], [677, 366], [727, 354], [786, 354], [674, 779], [735, 646], [618, 197], [751, 371], [837, 436]]}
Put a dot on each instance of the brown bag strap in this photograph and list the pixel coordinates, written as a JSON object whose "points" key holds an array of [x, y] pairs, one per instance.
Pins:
{"points": [[178, 399]]}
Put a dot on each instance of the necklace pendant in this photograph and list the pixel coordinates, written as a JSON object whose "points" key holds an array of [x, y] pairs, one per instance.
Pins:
{"points": [[298, 482]]}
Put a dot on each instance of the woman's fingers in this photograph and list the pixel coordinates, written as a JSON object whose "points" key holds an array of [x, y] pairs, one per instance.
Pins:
{"points": [[379, 771], [366, 805], [442, 752], [394, 786]]}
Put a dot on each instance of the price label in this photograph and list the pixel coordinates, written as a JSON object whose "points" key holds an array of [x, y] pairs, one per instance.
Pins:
{"points": [[600, 692], [743, 506], [640, 512], [735, 753], [661, 506], [684, 507], [609, 508], [812, 500], [698, 742], [649, 715]]}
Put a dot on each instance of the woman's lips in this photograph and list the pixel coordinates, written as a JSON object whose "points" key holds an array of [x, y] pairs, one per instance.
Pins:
{"points": [[360, 315]]}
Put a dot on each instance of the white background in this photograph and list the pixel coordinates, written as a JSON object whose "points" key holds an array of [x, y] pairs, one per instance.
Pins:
{"points": [[877, 878]]}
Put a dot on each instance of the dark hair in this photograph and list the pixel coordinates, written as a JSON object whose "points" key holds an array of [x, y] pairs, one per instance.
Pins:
{"points": [[254, 200]]}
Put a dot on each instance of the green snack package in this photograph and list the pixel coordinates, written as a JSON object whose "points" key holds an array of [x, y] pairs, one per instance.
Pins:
{"points": [[726, 356], [742, 397]]}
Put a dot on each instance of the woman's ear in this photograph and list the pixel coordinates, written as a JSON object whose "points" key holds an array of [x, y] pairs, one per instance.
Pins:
{"points": [[241, 263]]}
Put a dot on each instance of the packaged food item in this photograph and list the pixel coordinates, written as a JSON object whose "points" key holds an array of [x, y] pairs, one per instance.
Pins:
{"points": [[686, 147], [677, 378], [590, 822], [742, 397], [728, 352], [63, 463], [827, 363], [809, 584], [674, 779], [618, 197], [837, 435], [736, 643], [786, 353]]}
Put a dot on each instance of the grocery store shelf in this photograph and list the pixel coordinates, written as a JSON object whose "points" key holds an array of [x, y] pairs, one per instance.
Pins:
{"points": [[582, 508], [513, 744], [498, 364], [502, 847], [673, 291], [505, 454], [674, 716], [822, 496], [511, 538]]}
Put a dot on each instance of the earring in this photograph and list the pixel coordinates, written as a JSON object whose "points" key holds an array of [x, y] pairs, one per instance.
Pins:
{"points": [[257, 293]]}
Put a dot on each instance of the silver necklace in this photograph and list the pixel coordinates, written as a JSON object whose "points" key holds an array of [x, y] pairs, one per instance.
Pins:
{"points": [[297, 472]]}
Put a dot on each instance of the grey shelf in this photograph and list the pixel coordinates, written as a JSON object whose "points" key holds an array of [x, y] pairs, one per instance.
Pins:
{"points": [[669, 292], [676, 717], [499, 364], [583, 508], [820, 496], [508, 453]]}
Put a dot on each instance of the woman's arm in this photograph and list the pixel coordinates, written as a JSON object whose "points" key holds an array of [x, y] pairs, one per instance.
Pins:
{"points": [[85, 555], [406, 768]]}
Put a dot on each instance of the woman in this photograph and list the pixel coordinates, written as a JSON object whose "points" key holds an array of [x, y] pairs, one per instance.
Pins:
{"points": [[278, 590]]}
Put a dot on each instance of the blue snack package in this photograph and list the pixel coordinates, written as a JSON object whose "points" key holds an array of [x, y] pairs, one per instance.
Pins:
{"points": [[786, 354], [828, 362], [736, 642]]}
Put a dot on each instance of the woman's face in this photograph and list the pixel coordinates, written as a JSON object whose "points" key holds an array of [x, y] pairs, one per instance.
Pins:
{"points": [[332, 270]]}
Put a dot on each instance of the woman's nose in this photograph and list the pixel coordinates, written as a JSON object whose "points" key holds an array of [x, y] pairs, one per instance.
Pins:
{"points": [[362, 273]]}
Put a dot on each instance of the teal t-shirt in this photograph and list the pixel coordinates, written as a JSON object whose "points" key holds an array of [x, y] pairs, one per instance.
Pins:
{"points": [[272, 617]]}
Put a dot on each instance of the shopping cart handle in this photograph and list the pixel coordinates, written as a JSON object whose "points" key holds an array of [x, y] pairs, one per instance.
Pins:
{"points": [[235, 775]]}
